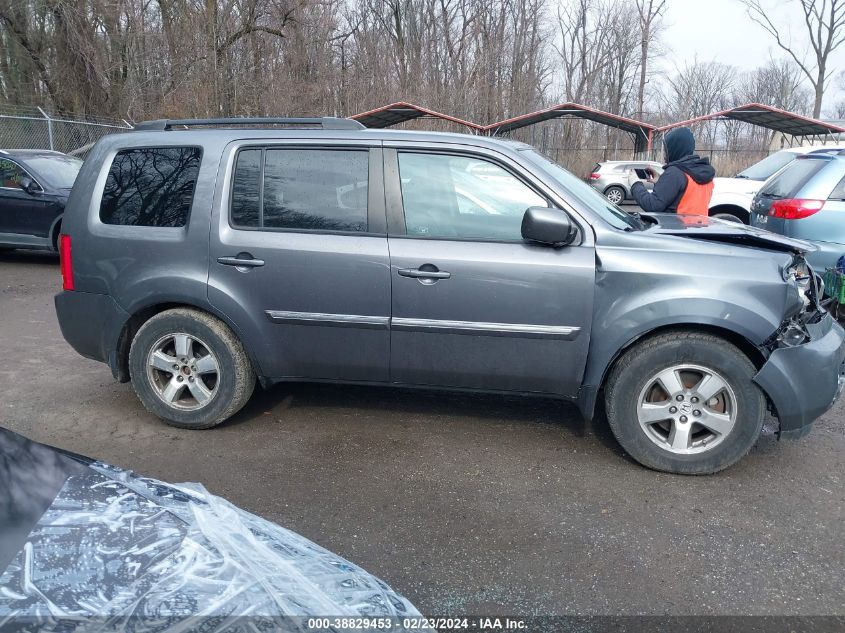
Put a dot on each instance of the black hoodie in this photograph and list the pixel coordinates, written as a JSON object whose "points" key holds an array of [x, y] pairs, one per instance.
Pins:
{"points": [[670, 187]]}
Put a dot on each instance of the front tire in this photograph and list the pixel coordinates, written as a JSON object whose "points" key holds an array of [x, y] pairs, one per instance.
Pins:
{"points": [[685, 403], [188, 368]]}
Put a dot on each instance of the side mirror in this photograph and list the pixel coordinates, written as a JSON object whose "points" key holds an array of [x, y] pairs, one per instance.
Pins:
{"points": [[548, 226], [28, 184]]}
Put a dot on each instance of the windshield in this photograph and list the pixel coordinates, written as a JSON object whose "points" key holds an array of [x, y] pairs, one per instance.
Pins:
{"points": [[584, 193], [769, 165], [58, 171]]}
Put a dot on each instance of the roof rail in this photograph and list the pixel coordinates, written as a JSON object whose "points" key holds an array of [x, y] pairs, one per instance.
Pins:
{"points": [[327, 123]]}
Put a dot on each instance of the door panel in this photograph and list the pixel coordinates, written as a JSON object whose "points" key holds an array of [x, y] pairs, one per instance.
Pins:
{"points": [[510, 316], [315, 304], [16, 205], [38, 218], [472, 305]]}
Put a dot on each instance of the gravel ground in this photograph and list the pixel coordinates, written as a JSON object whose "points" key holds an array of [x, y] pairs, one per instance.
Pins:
{"points": [[465, 504]]}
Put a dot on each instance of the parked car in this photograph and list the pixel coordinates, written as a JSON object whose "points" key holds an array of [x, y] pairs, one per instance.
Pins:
{"points": [[197, 260], [34, 187], [732, 197], [806, 199], [614, 178]]}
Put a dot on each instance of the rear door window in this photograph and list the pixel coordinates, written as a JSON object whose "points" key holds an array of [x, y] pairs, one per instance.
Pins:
{"points": [[301, 189], [788, 182], [151, 186], [838, 192]]}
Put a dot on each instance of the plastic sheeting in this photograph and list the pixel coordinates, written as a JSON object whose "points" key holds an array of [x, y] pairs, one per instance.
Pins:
{"points": [[139, 554]]}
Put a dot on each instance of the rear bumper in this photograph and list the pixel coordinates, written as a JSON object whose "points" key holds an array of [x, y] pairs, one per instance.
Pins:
{"points": [[92, 324], [804, 381]]}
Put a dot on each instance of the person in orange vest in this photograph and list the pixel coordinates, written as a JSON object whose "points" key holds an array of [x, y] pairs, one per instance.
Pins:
{"points": [[686, 184]]}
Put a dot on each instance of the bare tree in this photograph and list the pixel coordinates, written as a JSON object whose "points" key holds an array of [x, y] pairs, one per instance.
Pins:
{"points": [[824, 21], [649, 12]]}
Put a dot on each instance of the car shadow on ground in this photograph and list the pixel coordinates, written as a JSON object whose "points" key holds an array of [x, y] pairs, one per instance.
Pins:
{"points": [[46, 258], [397, 402]]}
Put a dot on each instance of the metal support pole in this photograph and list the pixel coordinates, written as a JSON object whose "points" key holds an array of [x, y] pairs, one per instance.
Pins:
{"points": [[49, 128]]}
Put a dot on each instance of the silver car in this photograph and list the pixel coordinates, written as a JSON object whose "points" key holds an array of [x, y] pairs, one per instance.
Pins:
{"points": [[614, 178]]}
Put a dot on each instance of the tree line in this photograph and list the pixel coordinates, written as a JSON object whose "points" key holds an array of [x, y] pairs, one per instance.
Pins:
{"points": [[483, 60]]}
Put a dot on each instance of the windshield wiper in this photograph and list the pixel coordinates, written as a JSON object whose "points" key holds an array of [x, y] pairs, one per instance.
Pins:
{"points": [[639, 218]]}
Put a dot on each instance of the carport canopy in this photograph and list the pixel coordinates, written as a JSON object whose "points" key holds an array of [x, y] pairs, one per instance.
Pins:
{"points": [[639, 130], [788, 123], [402, 111]]}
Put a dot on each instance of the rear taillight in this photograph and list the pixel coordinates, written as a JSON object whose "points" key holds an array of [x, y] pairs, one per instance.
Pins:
{"points": [[795, 209], [66, 262], [594, 176]]}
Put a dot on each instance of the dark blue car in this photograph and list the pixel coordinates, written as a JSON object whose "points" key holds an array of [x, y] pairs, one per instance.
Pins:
{"points": [[34, 187]]}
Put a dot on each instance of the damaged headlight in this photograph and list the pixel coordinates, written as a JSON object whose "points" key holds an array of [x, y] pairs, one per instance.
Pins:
{"points": [[803, 306], [792, 333], [800, 276]]}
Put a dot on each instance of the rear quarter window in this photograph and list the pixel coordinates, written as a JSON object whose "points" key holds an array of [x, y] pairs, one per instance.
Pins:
{"points": [[151, 186], [794, 176], [838, 192]]}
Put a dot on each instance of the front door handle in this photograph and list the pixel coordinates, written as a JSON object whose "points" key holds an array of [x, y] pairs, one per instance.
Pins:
{"points": [[419, 273], [241, 260]]}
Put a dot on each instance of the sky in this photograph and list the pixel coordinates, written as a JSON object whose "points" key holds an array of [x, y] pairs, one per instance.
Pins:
{"points": [[720, 30]]}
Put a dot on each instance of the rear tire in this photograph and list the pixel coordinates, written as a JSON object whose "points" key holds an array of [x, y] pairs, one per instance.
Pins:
{"points": [[615, 194], [188, 368], [667, 409]]}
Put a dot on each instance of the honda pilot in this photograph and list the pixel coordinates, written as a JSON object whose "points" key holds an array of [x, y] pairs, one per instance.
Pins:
{"points": [[203, 257]]}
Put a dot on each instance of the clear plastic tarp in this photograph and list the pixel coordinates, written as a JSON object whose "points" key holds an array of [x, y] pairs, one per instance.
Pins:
{"points": [[139, 554]]}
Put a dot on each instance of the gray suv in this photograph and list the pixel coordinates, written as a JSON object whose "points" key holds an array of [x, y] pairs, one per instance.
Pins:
{"points": [[201, 257]]}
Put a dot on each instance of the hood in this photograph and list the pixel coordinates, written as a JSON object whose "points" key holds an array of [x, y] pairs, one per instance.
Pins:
{"points": [[743, 186], [699, 169], [731, 233]]}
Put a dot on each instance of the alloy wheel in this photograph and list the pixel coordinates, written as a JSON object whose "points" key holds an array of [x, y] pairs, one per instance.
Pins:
{"points": [[614, 195], [687, 409], [183, 371]]}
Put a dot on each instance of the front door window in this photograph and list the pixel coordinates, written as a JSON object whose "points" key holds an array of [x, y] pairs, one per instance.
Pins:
{"points": [[10, 174], [461, 197]]}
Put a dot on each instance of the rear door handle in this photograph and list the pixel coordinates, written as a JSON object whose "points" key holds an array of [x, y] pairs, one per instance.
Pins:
{"points": [[241, 260], [417, 273]]}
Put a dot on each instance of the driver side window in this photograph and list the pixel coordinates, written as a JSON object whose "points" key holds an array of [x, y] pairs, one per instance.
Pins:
{"points": [[10, 174], [462, 197]]}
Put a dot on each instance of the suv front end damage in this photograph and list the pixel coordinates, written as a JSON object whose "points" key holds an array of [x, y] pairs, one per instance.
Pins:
{"points": [[805, 371]]}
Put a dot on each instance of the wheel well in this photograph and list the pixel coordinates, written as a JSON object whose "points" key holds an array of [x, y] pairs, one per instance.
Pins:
{"points": [[733, 209], [131, 327], [54, 235], [743, 344]]}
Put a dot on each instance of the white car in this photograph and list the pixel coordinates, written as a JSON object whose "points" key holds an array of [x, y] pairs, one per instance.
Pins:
{"points": [[732, 196]]}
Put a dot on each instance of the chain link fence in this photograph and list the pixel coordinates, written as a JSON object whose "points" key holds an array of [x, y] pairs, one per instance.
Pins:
{"points": [[33, 128]]}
